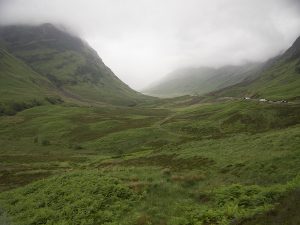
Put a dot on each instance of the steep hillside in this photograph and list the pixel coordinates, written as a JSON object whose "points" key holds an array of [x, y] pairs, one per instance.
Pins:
{"points": [[279, 79], [21, 87], [68, 62], [198, 81], [294, 51]]}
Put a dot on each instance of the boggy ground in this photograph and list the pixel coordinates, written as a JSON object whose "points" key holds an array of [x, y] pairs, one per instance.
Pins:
{"points": [[181, 162]]}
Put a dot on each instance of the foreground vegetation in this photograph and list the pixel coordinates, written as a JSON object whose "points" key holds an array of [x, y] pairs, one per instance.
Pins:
{"points": [[231, 162]]}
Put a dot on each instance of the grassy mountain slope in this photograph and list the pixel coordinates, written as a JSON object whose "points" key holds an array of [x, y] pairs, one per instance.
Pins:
{"points": [[68, 63], [198, 81], [280, 79], [276, 79], [20, 86]]}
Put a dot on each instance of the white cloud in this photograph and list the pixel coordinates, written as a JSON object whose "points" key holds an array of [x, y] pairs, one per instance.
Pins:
{"points": [[142, 40]]}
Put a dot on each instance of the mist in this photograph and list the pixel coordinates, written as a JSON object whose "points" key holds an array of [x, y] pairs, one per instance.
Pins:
{"points": [[143, 40]]}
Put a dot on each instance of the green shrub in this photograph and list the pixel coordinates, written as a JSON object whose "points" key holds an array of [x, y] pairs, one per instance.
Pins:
{"points": [[45, 142], [237, 201], [75, 146], [78, 198], [54, 100], [36, 140]]}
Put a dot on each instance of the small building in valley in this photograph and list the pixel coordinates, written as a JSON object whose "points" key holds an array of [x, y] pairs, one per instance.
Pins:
{"points": [[263, 100]]}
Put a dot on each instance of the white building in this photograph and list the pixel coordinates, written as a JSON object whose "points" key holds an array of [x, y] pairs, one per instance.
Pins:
{"points": [[263, 100]]}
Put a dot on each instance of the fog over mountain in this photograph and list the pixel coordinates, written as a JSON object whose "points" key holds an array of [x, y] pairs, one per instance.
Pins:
{"points": [[142, 40]]}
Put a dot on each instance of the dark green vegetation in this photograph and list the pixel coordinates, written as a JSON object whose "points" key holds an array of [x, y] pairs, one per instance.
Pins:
{"points": [[71, 154], [92, 199]]}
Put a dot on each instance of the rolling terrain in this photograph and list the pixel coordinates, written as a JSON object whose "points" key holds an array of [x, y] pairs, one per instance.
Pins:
{"points": [[73, 153], [204, 163]]}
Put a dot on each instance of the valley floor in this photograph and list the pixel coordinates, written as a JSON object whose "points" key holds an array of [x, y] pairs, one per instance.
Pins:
{"points": [[228, 162]]}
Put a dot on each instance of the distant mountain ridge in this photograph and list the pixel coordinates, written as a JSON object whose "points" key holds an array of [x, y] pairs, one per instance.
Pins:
{"points": [[278, 78], [202, 80], [71, 67], [294, 51]]}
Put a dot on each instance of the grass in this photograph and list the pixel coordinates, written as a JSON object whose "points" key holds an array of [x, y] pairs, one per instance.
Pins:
{"points": [[17, 77], [213, 163], [280, 81], [78, 146], [283, 213], [104, 200]]}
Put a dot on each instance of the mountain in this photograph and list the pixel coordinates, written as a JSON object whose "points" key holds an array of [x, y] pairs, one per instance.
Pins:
{"points": [[279, 79], [21, 87], [43, 59], [294, 51], [198, 81]]}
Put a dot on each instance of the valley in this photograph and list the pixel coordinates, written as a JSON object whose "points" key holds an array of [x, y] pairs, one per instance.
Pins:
{"points": [[79, 146], [175, 162]]}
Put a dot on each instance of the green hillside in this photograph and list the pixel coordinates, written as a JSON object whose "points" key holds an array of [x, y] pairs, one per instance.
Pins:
{"points": [[72, 67], [21, 87], [280, 79], [276, 79], [199, 81]]}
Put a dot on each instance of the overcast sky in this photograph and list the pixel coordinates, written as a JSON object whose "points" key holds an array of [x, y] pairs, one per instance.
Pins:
{"points": [[143, 40]]}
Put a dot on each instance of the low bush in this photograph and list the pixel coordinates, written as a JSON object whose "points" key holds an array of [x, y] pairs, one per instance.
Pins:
{"points": [[236, 201], [78, 198], [45, 142], [54, 100], [12, 108]]}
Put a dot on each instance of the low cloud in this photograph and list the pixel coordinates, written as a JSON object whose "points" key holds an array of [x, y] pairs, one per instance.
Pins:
{"points": [[142, 40]]}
